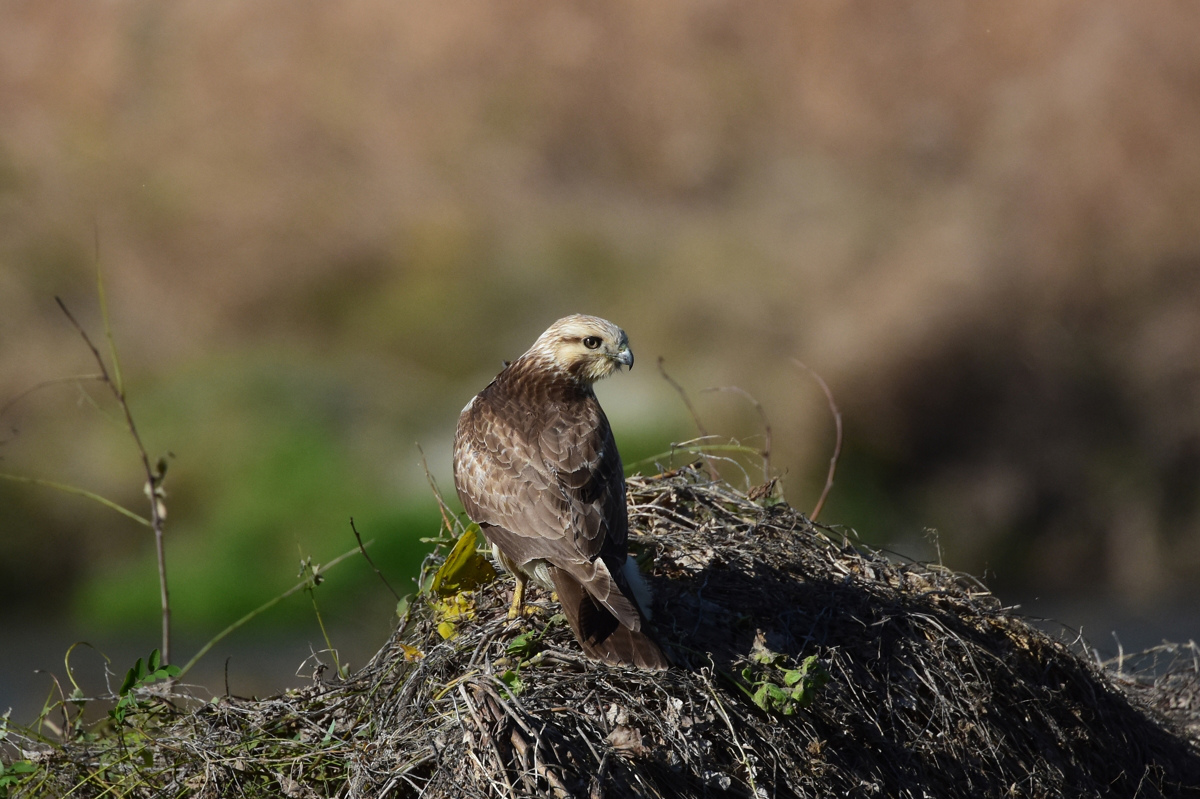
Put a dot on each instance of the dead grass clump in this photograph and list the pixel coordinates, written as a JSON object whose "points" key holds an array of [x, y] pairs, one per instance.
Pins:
{"points": [[807, 667]]}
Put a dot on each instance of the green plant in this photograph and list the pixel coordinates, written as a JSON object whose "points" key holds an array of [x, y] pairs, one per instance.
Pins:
{"points": [[307, 582], [14, 774], [154, 473], [140, 675], [513, 683], [311, 574], [777, 684]]}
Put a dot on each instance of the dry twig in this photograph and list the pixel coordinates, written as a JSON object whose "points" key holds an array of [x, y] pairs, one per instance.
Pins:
{"points": [[837, 446]]}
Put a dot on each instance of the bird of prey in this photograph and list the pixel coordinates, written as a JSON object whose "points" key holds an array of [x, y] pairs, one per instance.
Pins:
{"points": [[537, 469]]}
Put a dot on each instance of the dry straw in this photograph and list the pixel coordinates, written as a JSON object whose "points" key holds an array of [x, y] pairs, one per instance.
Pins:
{"points": [[808, 666]]}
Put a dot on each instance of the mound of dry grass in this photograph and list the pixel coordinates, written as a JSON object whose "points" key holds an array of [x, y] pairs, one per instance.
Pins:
{"points": [[807, 666]]}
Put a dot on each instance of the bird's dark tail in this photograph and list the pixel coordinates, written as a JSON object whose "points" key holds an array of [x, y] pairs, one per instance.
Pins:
{"points": [[599, 632]]}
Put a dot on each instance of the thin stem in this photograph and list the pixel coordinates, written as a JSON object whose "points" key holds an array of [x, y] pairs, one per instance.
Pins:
{"points": [[662, 370], [153, 477], [337, 664], [762, 414], [693, 449], [837, 447], [46, 384], [83, 492], [112, 345], [363, 549], [270, 603], [712, 470], [437, 494]]}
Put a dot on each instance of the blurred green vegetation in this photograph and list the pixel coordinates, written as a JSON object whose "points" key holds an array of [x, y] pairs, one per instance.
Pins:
{"points": [[260, 477]]}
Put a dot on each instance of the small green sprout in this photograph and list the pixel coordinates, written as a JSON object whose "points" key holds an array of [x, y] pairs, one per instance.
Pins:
{"points": [[142, 674], [777, 687]]}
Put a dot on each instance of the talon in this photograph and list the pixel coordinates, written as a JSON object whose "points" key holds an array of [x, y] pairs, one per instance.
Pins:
{"points": [[518, 600]]}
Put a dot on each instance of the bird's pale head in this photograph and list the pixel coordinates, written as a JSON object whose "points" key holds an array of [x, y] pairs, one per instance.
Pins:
{"points": [[586, 347]]}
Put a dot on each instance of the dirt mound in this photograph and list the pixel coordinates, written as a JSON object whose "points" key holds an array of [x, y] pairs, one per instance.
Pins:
{"points": [[806, 666]]}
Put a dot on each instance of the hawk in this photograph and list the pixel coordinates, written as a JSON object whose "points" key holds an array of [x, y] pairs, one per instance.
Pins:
{"points": [[537, 469]]}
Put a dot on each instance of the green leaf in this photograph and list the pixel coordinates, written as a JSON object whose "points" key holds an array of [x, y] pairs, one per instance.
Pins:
{"points": [[760, 654], [800, 695], [118, 713], [329, 733], [776, 687], [155, 660], [513, 681], [131, 678], [18, 767], [522, 643], [761, 698]]}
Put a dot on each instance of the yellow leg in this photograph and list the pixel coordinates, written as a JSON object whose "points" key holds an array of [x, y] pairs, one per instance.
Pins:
{"points": [[518, 598]]}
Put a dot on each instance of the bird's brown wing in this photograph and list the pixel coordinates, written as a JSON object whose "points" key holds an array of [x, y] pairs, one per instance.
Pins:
{"points": [[556, 495], [577, 444]]}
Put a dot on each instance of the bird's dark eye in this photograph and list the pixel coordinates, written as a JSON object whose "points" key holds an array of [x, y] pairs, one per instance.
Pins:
{"points": [[591, 342]]}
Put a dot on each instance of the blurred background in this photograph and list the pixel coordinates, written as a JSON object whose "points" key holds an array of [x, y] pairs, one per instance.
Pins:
{"points": [[322, 228]]}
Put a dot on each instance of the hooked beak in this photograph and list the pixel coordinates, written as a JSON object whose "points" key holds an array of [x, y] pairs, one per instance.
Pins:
{"points": [[625, 356]]}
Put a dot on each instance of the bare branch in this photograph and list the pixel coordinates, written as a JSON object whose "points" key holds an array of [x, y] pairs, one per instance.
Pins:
{"points": [[766, 450], [837, 447], [682, 395], [437, 494], [363, 550], [691, 410], [58, 381], [154, 476]]}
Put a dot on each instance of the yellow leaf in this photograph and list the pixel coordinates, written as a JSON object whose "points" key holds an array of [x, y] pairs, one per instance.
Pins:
{"points": [[464, 568], [411, 653], [446, 630], [454, 608]]}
